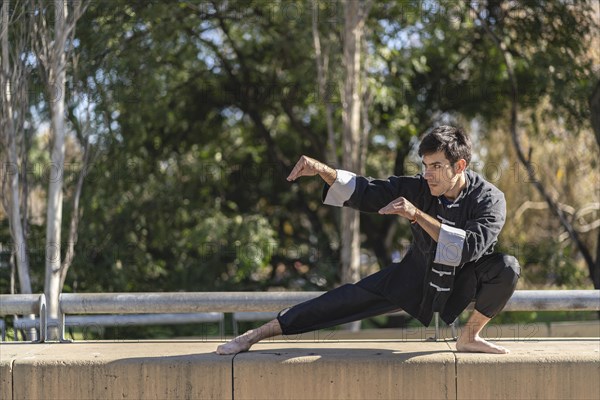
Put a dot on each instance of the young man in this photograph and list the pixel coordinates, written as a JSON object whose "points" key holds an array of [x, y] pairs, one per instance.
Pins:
{"points": [[456, 218]]}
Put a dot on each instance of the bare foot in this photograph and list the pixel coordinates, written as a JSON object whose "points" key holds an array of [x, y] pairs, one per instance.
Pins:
{"points": [[238, 345], [479, 345]]}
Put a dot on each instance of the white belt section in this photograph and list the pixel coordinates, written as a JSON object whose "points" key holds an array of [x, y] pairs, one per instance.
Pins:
{"points": [[441, 273], [439, 288]]}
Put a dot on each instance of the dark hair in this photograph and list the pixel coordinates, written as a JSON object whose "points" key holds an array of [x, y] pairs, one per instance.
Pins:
{"points": [[454, 142]]}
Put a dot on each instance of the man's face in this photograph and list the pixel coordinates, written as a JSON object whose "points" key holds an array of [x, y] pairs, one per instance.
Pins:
{"points": [[439, 173]]}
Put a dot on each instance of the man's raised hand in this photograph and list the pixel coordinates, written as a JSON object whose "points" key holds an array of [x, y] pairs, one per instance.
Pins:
{"points": [[307, 166], [402, 207]]}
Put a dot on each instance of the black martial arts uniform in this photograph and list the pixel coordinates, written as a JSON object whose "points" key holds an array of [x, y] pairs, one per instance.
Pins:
{"points": [[443, 276]]}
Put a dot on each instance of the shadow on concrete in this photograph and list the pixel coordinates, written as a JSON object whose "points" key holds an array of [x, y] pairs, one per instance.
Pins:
{"points": [[338, 354]]}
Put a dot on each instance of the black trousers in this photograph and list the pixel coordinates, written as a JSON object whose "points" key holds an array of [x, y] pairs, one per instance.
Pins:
{"points": [[490, 280]]}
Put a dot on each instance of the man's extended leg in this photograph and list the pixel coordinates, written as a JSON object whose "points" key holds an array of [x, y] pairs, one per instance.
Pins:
{"points": [[350, 302], [497, 276]]}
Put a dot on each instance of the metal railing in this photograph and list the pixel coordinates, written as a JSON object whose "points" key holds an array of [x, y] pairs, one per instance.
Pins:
{"points": [[233, 302], [128, 320], [26, 304], [179, 302], [554, 300]]}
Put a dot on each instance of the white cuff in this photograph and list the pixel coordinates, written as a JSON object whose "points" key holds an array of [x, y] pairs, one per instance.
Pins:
{"points": [[342, 189], [450, 246]]}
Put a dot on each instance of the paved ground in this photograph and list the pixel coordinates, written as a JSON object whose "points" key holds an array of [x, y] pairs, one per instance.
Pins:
{"points": [[342, 369]]}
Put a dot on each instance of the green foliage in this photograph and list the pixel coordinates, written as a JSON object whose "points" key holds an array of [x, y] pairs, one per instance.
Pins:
{"points": [[200, 109], [550, 263]]}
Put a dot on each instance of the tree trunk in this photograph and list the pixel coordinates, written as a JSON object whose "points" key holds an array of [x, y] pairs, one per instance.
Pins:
{"points": [[354, 18], [7, 123], [55, 186], [322, 61], [13, 99], [74, 225], [595, 113]]}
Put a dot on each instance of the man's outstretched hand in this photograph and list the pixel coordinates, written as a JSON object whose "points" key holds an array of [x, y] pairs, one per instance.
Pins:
{"points": [[307, 166]]}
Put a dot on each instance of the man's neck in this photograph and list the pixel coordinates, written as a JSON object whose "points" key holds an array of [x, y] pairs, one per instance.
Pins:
{"points": [[460, 184]]}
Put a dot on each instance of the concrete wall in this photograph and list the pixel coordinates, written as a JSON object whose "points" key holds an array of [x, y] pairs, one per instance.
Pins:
{"points": [[126, 370], [6, 379], [563, 369], [346, 370], [341, 369]]}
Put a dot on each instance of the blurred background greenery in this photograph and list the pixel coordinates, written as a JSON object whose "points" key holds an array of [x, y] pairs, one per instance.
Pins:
{"points": [[197, 111]]}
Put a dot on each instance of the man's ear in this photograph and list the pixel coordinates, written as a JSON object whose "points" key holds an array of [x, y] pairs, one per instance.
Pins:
{"points": [[460, 166]]}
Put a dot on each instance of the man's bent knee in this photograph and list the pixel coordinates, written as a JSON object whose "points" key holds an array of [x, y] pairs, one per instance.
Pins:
{"points": [[512, 271], [497, 289]]}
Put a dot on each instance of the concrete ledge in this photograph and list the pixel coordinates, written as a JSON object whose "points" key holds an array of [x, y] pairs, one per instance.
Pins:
{"points": [[575, 329], [545, 369], [343, 369], [6, 379], [132, 370]]}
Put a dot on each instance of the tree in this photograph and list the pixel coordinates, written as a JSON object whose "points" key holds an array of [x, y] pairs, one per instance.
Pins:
{"points": [[595, 113], [53, 44], [353, 140], [456, 73], [506, 52], [188, 152], [322, 58], [205, 105], [14, 103]]}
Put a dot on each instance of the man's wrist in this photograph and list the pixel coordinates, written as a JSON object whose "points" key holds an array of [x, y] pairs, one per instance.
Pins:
{"points": [[328, 174], [415, 217]]}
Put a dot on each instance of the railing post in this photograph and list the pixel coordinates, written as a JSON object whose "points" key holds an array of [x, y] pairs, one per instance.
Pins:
{"points": [[436, 335], [61, 322], [43, 319], [454, 326]]}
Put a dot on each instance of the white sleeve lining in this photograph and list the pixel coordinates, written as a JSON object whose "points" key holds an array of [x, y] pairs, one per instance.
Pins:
{"points": [[342, 188], [450, 246]]}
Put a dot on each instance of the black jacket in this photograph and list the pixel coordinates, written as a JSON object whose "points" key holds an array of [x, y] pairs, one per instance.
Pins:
{"points": [[424, 280]]}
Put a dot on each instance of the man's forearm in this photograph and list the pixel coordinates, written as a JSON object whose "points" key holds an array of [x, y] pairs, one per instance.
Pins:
{"points": [[429, 224]]}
